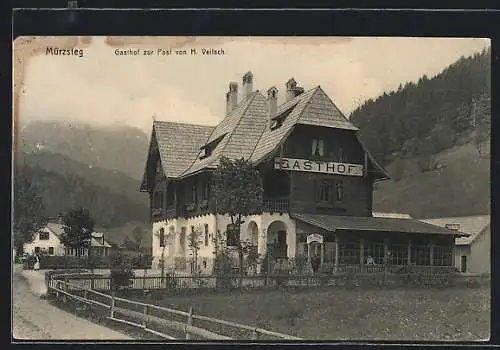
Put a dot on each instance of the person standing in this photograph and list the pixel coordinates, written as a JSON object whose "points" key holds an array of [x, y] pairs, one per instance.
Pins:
{"points": [[36, 267]]}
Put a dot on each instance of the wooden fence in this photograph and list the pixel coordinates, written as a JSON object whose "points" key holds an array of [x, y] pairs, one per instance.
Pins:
{"points": [[344, 277], [154, 319]]}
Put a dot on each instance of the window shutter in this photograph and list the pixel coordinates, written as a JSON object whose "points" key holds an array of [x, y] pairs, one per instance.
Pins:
{"points": [[321, 147], [314, 145]]}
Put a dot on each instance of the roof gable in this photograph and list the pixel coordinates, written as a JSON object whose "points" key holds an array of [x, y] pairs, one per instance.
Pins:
{"points": [[242, 129], [97, 237], [178, 145]]}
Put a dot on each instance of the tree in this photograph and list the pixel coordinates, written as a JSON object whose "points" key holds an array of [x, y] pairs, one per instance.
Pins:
{"points": [[194, 243], [160, 234], [77, 231], [137, 238], [28, 209], [121, 271], [238, 192]]}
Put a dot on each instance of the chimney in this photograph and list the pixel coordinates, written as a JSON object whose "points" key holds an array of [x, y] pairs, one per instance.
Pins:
{"points": [[290, 87], [292, 90], [232, 96], [272, 101], [228, 102], [247, 85]]}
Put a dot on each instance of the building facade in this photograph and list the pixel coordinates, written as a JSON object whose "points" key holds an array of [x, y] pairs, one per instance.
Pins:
{"points": [[473, 253], [318, 182], [48, 241]]}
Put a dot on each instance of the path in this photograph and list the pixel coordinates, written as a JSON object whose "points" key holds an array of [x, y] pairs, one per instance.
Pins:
{"points": [[35, 318]]}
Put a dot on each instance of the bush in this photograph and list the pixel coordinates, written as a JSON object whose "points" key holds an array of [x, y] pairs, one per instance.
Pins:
{"points": [[121, 271]]}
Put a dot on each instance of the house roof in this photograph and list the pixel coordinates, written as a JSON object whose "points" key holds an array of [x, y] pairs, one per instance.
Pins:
{"points": [[240, 131], [57, 230], [244, 132], [333, 223], [473, 225], [312, 107]]}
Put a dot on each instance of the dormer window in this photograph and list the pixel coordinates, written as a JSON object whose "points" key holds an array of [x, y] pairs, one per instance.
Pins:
{"points": [[278, 120], [318, 148], [209, 147], [206, 152]]}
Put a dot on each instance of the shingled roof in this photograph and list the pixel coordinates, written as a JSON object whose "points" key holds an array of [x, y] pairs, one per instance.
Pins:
{"points": [[310, 108], [240, 131], [244, 132], [178, 144]]}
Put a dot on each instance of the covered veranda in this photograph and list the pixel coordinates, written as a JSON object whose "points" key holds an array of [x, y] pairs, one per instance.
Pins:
{"points": [[334, 242]]}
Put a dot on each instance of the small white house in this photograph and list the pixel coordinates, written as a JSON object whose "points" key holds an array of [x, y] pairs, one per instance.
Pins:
{"points": [[473, 253], [48, 240]]}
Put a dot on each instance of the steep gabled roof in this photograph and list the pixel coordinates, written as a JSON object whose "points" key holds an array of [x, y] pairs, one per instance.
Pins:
{"points": [[473, 225], [242, 128], [178, 145], [96, 241], [309, 108]]}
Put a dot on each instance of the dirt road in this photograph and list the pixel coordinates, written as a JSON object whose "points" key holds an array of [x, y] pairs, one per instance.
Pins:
{"points": [[35, 319]]}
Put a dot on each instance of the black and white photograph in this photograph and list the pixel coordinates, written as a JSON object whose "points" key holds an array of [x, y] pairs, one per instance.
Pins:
{"points": [[251, 189]]}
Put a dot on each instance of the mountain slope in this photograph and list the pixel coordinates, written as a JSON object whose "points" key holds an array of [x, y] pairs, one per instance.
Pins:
{"points": [[112, 180], [461, 187], [429, 116], [123, 149], [63, 192]]}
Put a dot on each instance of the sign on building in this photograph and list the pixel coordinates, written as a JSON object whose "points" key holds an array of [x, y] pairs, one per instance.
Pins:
{"points": [[318, 166], [314, 237]]}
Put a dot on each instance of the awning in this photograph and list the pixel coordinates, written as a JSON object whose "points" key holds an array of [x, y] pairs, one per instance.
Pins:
{"points": [[333, 223]]}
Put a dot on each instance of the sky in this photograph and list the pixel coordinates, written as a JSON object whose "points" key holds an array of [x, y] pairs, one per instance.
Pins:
{"points": [[103, 88]]}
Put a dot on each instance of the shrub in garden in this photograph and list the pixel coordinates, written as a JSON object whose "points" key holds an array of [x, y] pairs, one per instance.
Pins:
{"points": [[122, 274]]}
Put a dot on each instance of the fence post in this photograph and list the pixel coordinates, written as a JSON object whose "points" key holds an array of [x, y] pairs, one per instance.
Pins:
{"points": [[65, 288], [189, 323], [112, 304], [255, 334], [145, 323]]}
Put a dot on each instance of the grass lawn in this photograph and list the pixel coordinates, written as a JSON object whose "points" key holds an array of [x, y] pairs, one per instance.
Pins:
{"points": [[351, 314]]}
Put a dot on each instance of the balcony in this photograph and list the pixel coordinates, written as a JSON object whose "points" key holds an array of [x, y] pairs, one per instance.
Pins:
{"points": [[276, 205]]}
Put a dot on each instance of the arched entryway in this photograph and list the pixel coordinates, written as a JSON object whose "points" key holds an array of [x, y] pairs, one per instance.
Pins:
{"points": [[253, 233], [276, 240]]}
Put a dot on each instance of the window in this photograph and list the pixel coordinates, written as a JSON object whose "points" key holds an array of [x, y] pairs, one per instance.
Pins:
{"points": [[206, 235], [443, 256], [51, 250], [204, 264], [162, 237], [232, 238], [324, 191], [43, 235], [318, 148], [37, 249], [158, 200], [205, 191], [339, 191], [207, 151], [170, 195], [193, 193]]}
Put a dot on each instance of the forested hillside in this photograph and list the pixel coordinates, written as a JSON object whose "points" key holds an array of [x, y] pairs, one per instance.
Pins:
{"points": [[424, 118], [61, 193], [433, 137]]}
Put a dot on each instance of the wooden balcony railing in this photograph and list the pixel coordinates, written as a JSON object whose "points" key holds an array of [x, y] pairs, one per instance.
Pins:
{"points": [[276, 205]]}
